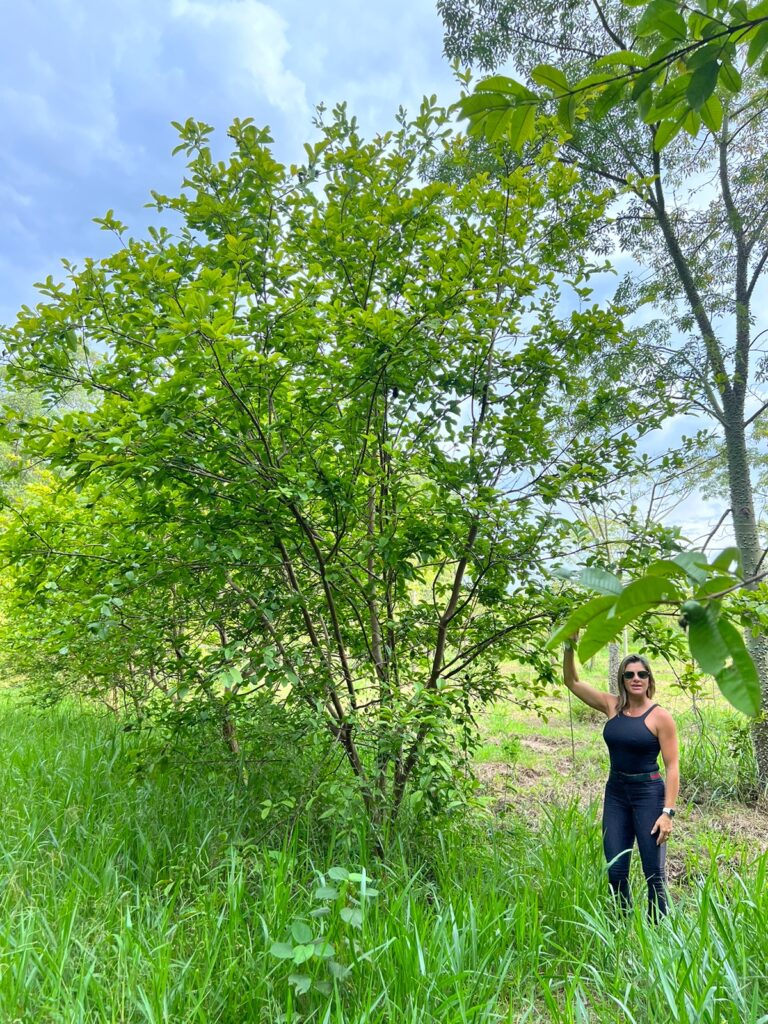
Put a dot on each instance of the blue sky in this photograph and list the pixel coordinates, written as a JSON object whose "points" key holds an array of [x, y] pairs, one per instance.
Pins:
{"points": [[88, 89]]}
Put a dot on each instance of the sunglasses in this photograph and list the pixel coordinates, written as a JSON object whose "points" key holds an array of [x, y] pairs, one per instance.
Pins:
{"points": [[642, 674]]}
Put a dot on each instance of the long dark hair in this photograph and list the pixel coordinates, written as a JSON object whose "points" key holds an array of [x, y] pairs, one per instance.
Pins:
{"points": [[623, 695]]}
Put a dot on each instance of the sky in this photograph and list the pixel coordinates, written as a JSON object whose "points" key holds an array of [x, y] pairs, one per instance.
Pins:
{"points": [[88, 90]]}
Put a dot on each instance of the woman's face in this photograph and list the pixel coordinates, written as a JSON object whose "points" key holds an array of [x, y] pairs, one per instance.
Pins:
{"points": [[635, 684]]}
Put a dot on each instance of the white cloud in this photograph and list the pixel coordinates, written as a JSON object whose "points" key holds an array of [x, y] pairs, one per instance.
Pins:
{"points": [[89, 87], [245, 42]]}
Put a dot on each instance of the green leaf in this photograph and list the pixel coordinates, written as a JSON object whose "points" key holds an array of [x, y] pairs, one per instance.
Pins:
{"points": [[643, 82], [662, 17], [483, 102], [352, 916], [739, 682], [729, 77], [665, 47], [673, 111], [712, 113], [496, 123], [551, 78], [301, 932], [705, 55], [303, 953], [325, 892], [645, 593], [487, 112], [579, 619], [708, 647], [757, 45], [665, 567], [601, 631], [692, 123], [338, 874], [727, 558], [522, 124], [715, 585], [604, 582], [702, 84], [695, 565], [301, 982], [591, 82], [669, 98], [566, 112], [607, 100], [282, 950], [664, 134], [509, 87]]}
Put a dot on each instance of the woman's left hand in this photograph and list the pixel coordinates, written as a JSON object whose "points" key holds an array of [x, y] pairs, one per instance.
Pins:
{"points": [[663, 826]]}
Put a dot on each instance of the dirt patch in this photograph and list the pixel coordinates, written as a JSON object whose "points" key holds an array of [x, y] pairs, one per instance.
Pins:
{"points": [[490, 772], [545, 744], [529, 790], [737, 822]]}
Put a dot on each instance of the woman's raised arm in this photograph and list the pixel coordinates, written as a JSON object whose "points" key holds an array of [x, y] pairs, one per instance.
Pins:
{"points": [[600, 700]]}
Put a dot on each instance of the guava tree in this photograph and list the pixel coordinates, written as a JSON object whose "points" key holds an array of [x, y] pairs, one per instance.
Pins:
{"points": [[314, 455]]}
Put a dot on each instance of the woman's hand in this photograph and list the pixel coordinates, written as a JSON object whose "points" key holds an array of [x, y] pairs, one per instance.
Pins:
{"points": [[663, 826]]}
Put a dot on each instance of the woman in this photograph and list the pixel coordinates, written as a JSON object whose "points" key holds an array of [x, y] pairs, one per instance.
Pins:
{"points": [[639, 805]]}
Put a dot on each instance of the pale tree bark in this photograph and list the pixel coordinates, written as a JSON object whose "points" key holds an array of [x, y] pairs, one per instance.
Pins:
{"points": [[613, 667], [730, 384], [748, 543]]}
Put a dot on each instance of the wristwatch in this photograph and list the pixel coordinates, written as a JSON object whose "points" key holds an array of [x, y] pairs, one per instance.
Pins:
{"points": [[668, 810]]}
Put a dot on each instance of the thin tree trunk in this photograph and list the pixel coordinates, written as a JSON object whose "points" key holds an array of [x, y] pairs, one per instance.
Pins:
{"points": [[732, 390], [748, 543], [613, 667]]}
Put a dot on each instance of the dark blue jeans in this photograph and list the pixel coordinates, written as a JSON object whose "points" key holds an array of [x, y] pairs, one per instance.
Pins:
{"points": [[629, 813]]}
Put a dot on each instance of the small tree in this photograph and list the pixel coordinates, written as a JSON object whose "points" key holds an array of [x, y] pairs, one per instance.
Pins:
{"points": [[317, 453]]}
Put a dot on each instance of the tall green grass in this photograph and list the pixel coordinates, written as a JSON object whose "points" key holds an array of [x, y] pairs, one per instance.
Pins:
{"points": [[717, 759], [163, 897]]}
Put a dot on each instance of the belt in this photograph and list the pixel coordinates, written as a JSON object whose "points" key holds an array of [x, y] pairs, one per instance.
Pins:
{"points": [[639, 777]]}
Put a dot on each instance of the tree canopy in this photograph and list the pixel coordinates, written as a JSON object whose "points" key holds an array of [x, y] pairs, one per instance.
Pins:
{"points": [[668, 59], [313, 455], [666, 104]]}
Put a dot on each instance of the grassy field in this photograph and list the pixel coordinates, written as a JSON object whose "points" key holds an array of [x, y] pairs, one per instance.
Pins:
{"points": [[161, 897]]}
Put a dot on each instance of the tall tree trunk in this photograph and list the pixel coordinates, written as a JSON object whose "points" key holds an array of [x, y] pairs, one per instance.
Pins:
{"points": [[732, 389], [748, 543], [613, 667]]}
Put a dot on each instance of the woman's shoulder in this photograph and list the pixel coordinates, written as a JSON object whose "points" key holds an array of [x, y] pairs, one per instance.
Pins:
{"points": [[661, 718]]}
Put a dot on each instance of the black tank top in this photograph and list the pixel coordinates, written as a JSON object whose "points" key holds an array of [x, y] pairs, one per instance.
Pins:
{"points": [[632, 746]]}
